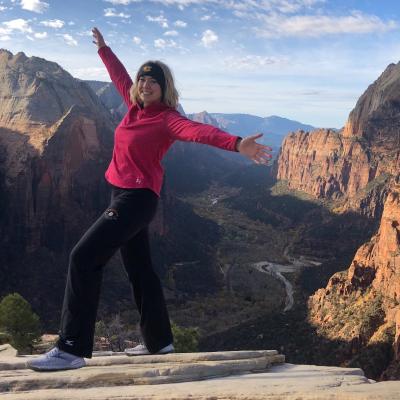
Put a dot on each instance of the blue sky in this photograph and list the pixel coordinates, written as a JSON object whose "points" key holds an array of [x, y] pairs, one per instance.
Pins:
{"points": [[308, 60]]}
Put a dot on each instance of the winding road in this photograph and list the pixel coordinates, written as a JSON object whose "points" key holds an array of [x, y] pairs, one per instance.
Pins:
{"points": [[276, 270]]}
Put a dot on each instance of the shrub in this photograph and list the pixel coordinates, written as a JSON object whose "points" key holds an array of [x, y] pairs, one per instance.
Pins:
{"points": [[186, 340], [19, 322], [114, 332]]}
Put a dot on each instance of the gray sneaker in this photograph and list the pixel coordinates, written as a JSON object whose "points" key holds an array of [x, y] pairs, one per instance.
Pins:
{"points": [[141, 350], [56, 360]]}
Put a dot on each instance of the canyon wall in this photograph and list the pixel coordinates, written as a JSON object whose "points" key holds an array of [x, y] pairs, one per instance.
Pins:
{"points": [[353, 166]]}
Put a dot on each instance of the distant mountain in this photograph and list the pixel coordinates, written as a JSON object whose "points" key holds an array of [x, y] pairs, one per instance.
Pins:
{"points": [[238, 123], [109, 96], [273, 127]]}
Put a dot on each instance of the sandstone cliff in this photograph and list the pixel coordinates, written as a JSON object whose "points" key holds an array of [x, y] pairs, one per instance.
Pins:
{"points": [[351, 166], [361, 305], [55, 143], [55, 140]]}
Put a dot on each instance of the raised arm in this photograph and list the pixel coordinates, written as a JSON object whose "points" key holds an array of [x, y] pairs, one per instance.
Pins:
{"points": [[181, 128], [184, 129], [115, 68]]}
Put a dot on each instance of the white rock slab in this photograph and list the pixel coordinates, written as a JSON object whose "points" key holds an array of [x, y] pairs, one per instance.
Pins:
{"points": [[287, 381], [7, 351], [143, 370]]}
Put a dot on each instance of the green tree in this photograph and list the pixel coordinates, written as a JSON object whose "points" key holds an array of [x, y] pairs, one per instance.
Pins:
{"points": [[19, 322], [186, 340]]}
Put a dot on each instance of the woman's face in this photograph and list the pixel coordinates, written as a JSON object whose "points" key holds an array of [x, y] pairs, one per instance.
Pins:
{"points": [[149, 90]]}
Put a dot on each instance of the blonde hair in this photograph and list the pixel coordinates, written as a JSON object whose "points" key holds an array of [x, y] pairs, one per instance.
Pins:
{"points": [[171, 95]]}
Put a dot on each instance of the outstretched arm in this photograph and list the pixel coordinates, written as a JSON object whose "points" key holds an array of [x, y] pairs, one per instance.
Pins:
{"points": [[115, 68], [184, 129]]}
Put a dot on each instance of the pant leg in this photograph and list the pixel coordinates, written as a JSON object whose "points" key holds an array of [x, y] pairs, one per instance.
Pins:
{"points": [[129, 212], [147, 291]]}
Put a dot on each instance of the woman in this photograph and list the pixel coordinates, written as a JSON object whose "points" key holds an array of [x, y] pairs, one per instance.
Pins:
{"points": [[135, 174]]}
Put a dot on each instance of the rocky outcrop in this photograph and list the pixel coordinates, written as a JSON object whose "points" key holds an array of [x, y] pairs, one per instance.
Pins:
{"points": [[110, 97], [55, 144], [205, 118], [256, 375], [376, 115], [55, 140], [348, 166], [361, 305]]}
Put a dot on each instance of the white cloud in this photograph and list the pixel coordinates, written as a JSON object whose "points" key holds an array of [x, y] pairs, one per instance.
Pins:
{"points": [[285, 6], [205, 18], [252, 62], [209, 38], [40, 35], [171, 33], [18, 25], [123, 2], [110, 12], [180, 24], [53, 23], [96, 73], [162, 43], [320, 25], [4, 31], [137, 40], [161, 20], [84, 33], [4, 34], [37, 6], [248, 7], [69, 40], [181, 4], [2, 8], [70, 23]]}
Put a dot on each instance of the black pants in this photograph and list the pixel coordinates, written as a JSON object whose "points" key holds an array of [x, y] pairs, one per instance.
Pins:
{"points": [[124, 226]]}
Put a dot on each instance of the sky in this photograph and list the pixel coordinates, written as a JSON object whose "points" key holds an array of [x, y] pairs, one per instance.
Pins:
{"points": [[307, 60]]}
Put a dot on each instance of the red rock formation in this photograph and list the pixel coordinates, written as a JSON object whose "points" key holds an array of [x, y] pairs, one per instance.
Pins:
{"points": [[56, 140], [348, 165], [361, 305]]}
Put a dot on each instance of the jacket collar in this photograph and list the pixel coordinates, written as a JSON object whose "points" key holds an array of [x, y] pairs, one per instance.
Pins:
{"points": [[154, 107]]}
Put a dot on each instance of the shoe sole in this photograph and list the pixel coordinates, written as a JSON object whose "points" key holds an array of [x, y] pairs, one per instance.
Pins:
{"points": [[40, 369]]}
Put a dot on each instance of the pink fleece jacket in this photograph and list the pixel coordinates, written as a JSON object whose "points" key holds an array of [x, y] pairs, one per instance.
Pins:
{"points": [[145, 134]]}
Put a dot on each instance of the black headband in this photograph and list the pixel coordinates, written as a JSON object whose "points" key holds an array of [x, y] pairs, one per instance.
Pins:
{"points": [[155, 71]]}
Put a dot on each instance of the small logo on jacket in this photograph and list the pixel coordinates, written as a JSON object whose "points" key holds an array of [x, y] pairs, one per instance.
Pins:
{"points": [[69, 342], [138, 180]]}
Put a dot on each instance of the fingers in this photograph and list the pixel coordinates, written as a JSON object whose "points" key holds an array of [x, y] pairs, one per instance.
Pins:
{"points": [[260, 161], [259, 146], [265, 150], [98, 38], [262, 156], [256, 136]]}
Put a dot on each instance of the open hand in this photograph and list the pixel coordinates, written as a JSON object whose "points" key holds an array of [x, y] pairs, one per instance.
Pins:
{"points": [[257, 152], [98, 38]]}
